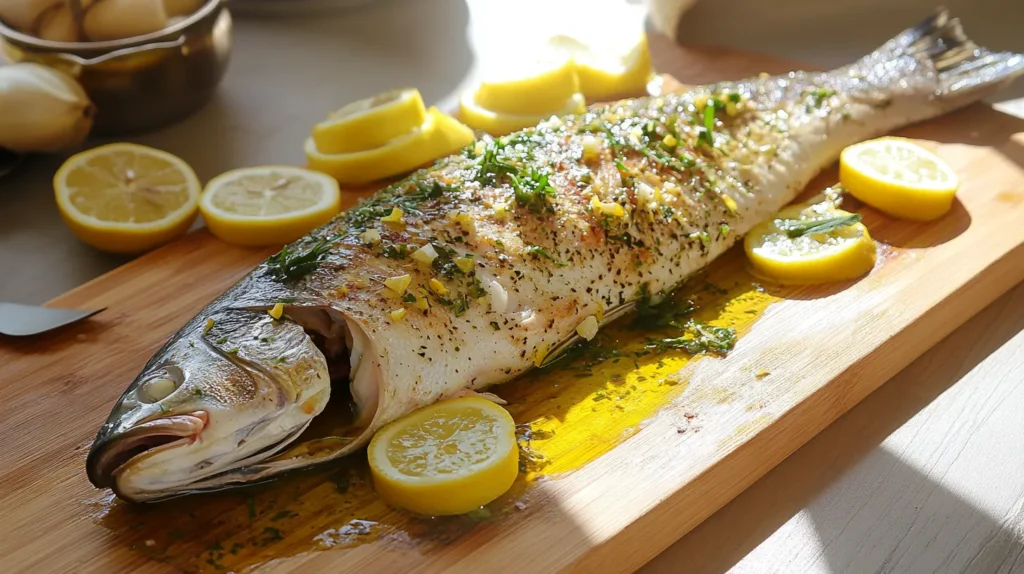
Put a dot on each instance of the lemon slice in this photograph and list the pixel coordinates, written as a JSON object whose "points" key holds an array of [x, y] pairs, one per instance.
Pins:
{"points": [[268, 205], [845, 252], [370, 123], [608, 70], [499, 124], [898, 177], [447, 458], [440, 135], [533, 85], [126, 198]]}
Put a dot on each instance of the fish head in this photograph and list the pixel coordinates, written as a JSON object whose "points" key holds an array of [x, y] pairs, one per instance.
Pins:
{"points": [[230, 389]]}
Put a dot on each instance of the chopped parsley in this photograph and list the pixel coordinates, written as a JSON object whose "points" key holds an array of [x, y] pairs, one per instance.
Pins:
{"points": [[291, 265], [538, 251], [395, 251], [819, 95], [699, 338], [533, 190]]}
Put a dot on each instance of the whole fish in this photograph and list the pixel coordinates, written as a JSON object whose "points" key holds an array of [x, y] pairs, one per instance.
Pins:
{"points": [[491, 262]]}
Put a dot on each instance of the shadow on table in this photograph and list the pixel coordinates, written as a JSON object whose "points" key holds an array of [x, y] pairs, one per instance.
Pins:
{"points": [[848, 446]]}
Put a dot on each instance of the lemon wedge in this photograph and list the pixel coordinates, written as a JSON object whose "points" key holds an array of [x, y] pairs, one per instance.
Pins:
{"points": [[898, 177], [499, 124], [608, 67], [786, 249], [268, 205], [126, 198], [529, 86], [438, 136], [447, 458], [370, 123]]}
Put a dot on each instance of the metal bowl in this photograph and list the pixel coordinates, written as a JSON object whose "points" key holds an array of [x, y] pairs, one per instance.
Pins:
{"points": [[145, 82]]}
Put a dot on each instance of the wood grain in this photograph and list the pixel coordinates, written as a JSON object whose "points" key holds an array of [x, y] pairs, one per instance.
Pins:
{"points": [[825, 351], [922, 476]]}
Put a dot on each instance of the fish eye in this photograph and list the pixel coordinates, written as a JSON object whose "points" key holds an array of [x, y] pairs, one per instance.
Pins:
{"points": [[160, 385]]}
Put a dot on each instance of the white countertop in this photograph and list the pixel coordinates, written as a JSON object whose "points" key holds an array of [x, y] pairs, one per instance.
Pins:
{"points": [[926, 475]]}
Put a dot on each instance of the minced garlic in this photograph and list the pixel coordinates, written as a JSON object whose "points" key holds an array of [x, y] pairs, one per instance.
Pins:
{"points": [[426, 254], [670, 141], [438, 287], [591, 147], [394, 217], [464, 263], [276, 311], [398, 314], [370, 237], [729, 203], [398, 284], [588, 328], [610, 208]]}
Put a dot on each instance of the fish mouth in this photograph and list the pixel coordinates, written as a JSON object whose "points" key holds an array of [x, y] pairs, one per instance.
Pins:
{"points": [[215, 448], [106, 458]]}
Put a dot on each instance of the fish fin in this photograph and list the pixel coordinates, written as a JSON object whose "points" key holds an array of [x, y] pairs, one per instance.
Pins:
{"points": [[962, 68], [486, 396]]}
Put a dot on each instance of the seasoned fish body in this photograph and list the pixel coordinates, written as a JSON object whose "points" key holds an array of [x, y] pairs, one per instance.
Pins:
{"points": [[489, 263]]}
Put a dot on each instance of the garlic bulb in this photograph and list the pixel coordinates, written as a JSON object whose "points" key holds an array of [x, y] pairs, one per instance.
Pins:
{"points": [[24, 14], [42, 109]]}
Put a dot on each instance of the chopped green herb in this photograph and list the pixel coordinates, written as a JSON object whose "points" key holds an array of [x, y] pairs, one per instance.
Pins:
{"points": [[700, 338], [495, 326], [222, 340], [813, 226], [733, 97], [395, 251], [288, 265], [409, 298], [819, 95], [533, 190], [538, 251], [724, 228]]}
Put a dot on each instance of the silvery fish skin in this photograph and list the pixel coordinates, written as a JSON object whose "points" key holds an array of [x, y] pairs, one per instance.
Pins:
{"points": [[508, 248]]}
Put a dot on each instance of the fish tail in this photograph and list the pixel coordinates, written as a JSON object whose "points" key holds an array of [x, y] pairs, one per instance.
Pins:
{"points": [[946, 64]]}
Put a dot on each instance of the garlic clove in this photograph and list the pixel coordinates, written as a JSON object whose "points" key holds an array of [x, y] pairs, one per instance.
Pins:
{"points": [[57, 25], [42, 109], [116, 19], [24, 14], [181, 7]]}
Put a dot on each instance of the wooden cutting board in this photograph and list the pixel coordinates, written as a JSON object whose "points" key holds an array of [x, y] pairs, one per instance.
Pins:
{"points": [[802, 361]]}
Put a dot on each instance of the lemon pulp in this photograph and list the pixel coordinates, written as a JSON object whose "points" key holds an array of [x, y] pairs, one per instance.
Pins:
{"points": [[840, 254], [450, 457], [899, 178], [268, 205], [126, 198]]}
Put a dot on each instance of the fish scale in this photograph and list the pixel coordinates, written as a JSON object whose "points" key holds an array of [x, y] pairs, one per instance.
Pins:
{"points": [[507, 248]]}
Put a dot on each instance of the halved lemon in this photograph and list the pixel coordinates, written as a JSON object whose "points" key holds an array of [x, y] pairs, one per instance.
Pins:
{"points": [[126, 198], [499, 124], [535, 85], [438, 136], [779, 251], [448, 458], [899, 177], [371, 122], [606, 69], [268, 205]]}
